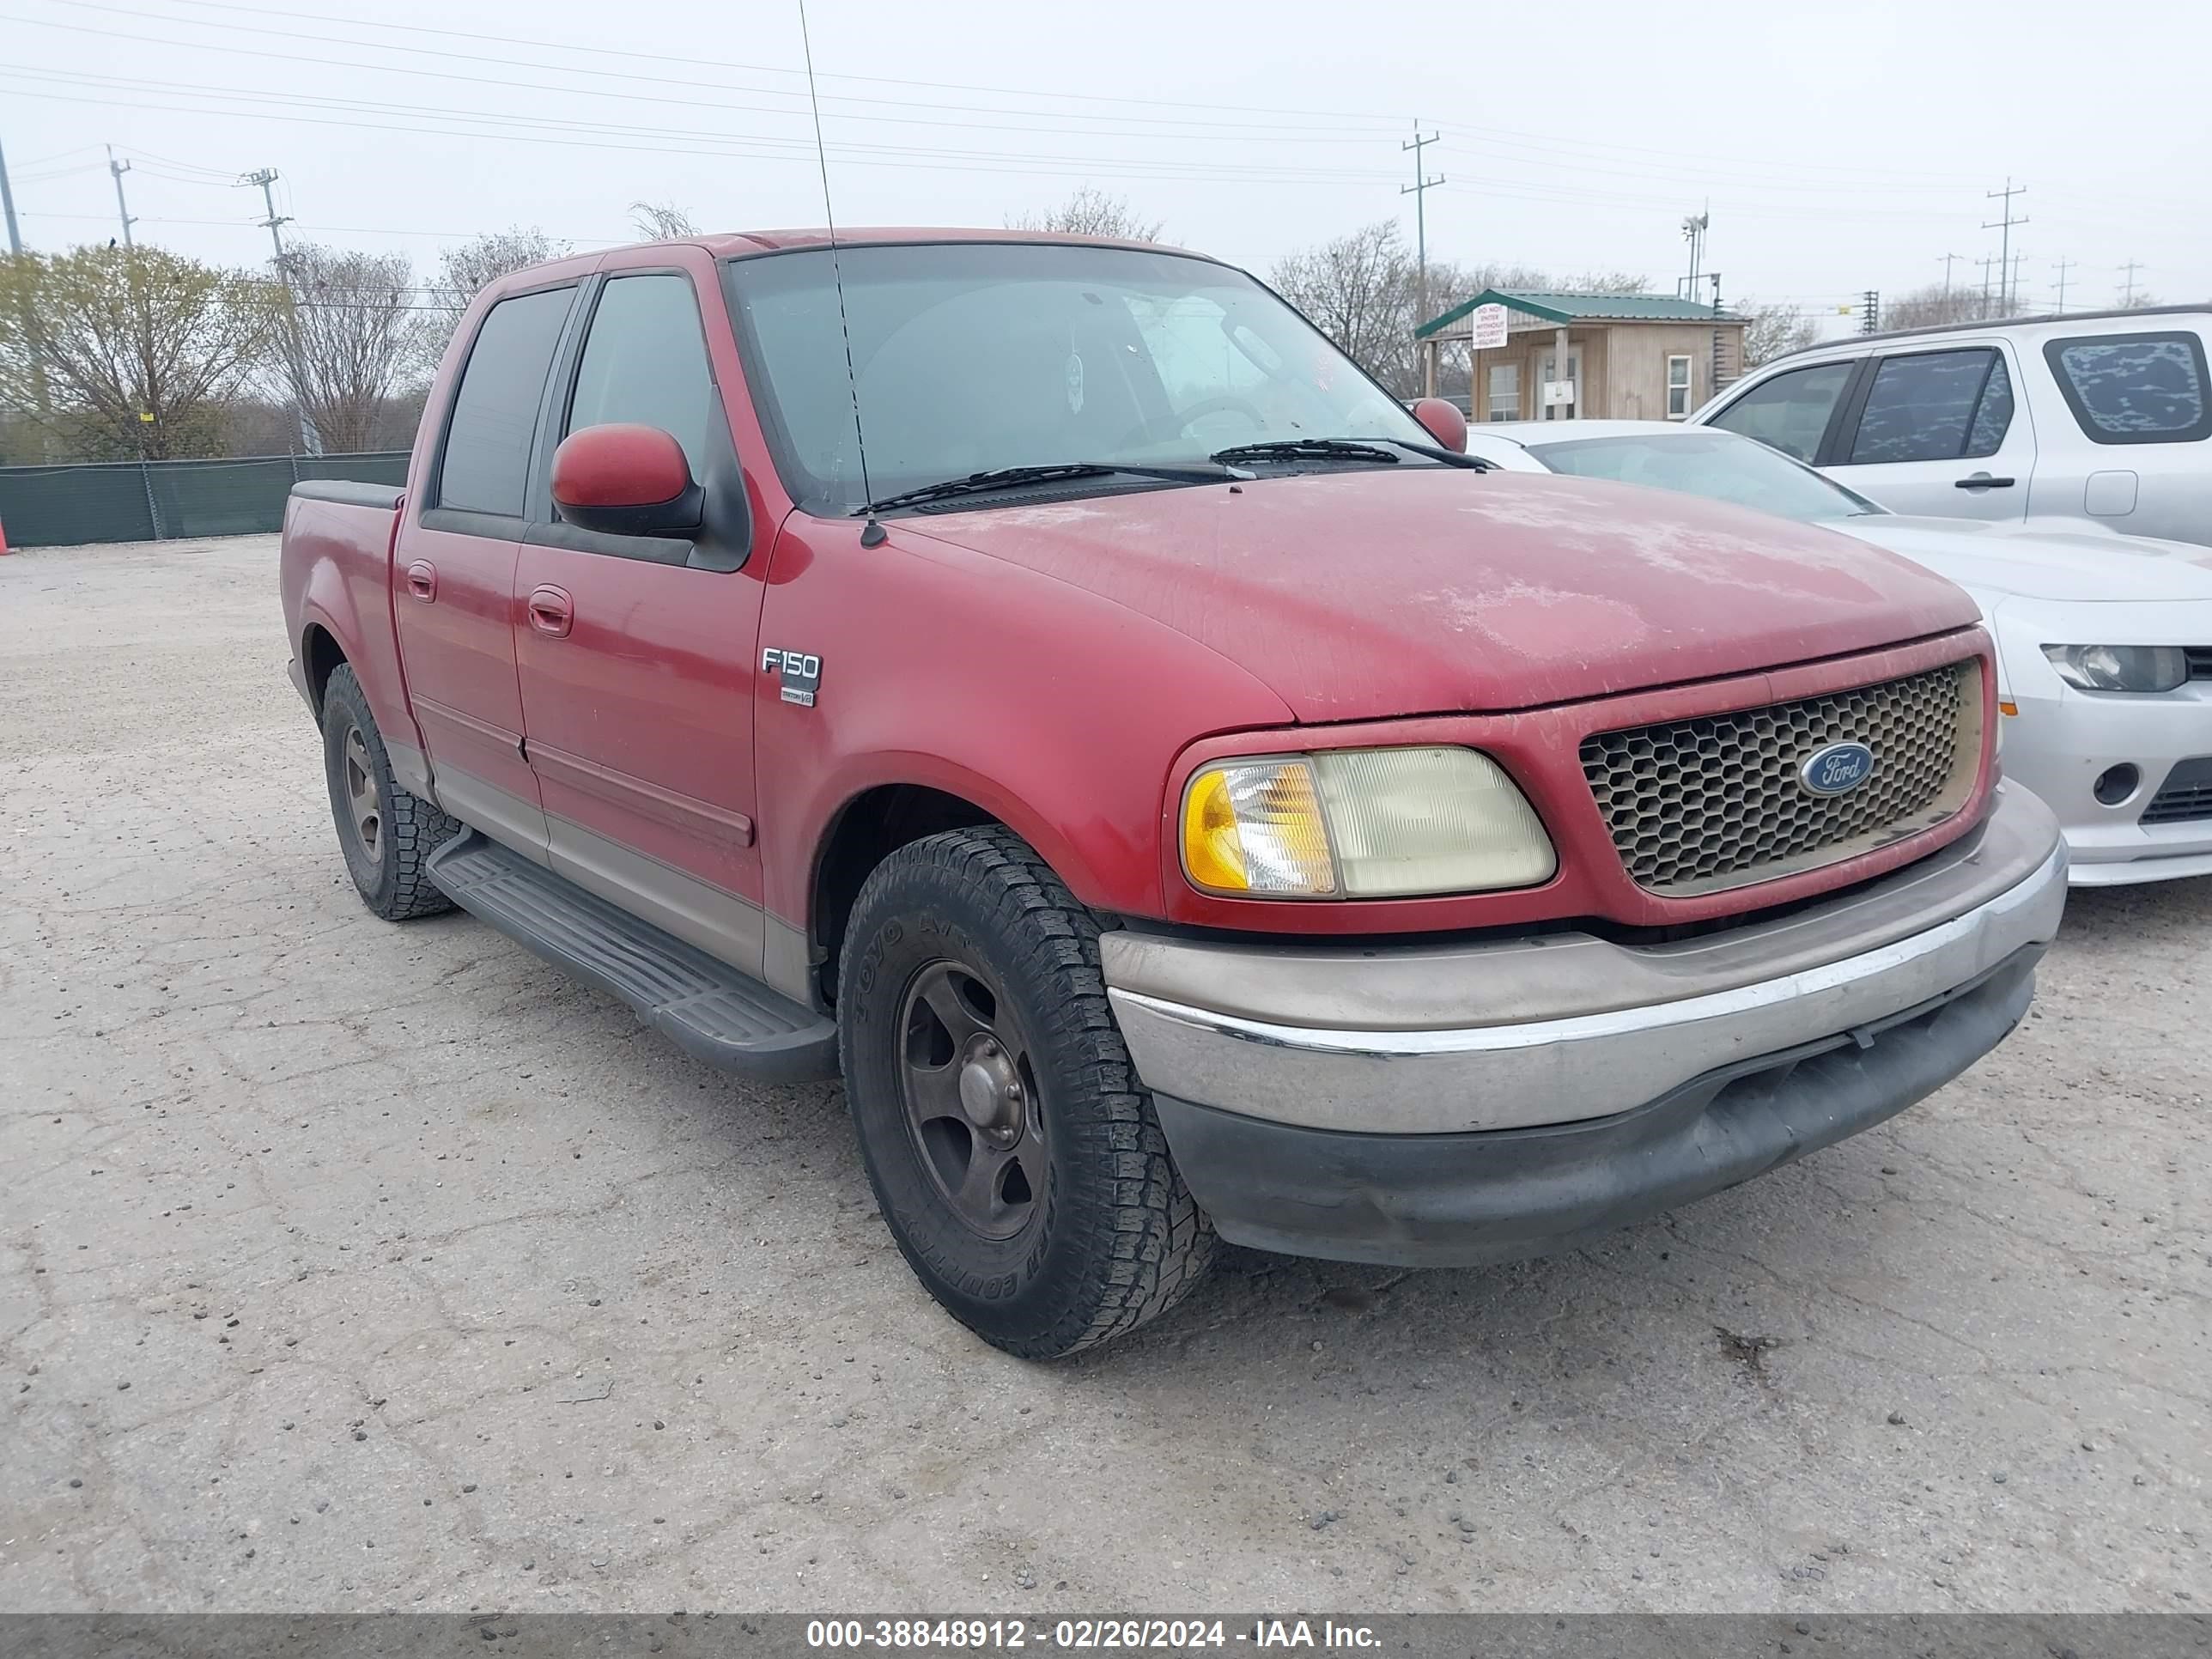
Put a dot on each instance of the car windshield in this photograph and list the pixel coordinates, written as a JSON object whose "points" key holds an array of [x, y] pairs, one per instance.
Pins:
{"points": [[1716, 464], [968, 358]]}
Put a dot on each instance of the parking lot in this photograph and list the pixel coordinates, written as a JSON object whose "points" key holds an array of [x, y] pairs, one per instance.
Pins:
{"points": [[353, 1266]]}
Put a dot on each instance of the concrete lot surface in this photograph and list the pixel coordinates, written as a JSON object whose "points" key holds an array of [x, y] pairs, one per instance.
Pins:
{"points": [[352, 1266]]}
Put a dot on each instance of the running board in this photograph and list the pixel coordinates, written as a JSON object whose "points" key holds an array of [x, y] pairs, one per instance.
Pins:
{"points": [[712, 1010]]}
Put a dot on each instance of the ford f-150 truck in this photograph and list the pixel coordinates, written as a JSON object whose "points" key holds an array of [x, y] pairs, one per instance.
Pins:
{"points": [[1046, 682]]}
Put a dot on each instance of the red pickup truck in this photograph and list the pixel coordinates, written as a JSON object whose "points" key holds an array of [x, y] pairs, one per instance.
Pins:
{"points": [[1044, 681]]}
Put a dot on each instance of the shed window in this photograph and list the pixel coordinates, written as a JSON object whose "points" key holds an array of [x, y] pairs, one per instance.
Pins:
{"points": [[1678, 388], [1503, 403]]}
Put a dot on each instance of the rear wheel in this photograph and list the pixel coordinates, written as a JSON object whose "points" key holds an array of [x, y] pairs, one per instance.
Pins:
{"points": [[1017, 1162], [385, 832]]}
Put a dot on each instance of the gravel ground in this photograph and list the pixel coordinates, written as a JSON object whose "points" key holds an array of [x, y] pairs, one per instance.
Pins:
{"points": [[345, 1266]]}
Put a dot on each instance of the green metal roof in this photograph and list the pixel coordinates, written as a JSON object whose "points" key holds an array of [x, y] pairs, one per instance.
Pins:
{"points": [[1582, 308]]}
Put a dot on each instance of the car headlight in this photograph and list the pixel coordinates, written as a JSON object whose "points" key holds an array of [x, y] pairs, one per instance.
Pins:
{"points": [[2120, 667], [1361, 823]]}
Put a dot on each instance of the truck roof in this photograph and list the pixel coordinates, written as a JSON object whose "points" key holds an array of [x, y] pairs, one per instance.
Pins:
{"points": [[737, 244]]}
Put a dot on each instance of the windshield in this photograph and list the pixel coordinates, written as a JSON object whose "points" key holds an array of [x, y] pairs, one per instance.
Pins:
{"points": [[972, 357], [1716, 464]]}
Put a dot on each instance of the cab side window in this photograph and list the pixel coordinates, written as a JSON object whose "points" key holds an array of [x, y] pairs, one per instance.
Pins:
{"points": [[1790, 411], [645, 361], [486, 465], [1933, 406]]}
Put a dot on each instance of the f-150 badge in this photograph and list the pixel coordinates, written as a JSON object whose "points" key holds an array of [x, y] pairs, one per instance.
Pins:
{"points": [[801, 673]]}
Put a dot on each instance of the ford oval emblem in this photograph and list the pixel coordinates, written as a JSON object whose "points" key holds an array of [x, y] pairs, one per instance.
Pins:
{"points": [[1835, 769]]}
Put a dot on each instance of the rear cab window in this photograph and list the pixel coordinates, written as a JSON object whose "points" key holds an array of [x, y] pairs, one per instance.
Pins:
{"points": [[484, 468], [1790, 412], [2146, 388], [1933, 406]]}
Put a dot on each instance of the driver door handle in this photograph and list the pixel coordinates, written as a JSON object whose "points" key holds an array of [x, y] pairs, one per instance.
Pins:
{"points": [[1981, 481], [551, 610], [422, 581]]}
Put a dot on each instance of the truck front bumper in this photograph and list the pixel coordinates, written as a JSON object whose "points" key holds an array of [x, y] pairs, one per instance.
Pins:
{"points": [[1432, 1104]]}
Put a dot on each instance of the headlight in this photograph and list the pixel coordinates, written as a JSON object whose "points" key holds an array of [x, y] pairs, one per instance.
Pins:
{"points": [[2120, 667], [1361, 823]]}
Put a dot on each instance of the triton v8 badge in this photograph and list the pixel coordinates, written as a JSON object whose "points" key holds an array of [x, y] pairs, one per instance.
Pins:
{"points": [[1835, 769], [801, 671]]}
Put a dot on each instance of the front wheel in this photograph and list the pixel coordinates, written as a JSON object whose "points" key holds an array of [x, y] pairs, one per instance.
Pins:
{"points": [[385, 832], [1016, 1160]]}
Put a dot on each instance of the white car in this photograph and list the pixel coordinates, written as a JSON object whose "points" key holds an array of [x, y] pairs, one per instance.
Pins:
{"points": [[2103, 641], [2097, 416]]}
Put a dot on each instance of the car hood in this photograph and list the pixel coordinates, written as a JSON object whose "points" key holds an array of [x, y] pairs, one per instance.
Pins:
{"points": [[2043, 560], [1365, 595]]}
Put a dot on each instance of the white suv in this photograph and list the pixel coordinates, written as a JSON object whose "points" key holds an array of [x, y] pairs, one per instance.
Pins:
{"points": [[2102, 415]]}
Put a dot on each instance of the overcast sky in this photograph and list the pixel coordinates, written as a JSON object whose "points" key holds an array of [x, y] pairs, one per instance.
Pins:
{"points": [[1842, 146]]}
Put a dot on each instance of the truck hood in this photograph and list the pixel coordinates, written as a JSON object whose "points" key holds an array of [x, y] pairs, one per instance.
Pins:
{"points": [[2042, 561], [1368, 594]]}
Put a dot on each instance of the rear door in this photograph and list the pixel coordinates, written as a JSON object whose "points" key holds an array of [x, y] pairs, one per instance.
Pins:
{"points": [[2132, 444], [636, 653], [1941, 431], [454, 575]]}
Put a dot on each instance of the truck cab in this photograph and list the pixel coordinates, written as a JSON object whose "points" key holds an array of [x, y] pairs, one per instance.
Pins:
{"points": [[1044, 683]]}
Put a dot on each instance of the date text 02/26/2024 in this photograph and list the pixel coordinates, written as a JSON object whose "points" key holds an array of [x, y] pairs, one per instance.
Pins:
{"points": [[1115, 1633]]}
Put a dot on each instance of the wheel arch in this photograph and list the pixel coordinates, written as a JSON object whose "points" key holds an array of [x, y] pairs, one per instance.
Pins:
{"points": [[866, 828], [320, 657]]}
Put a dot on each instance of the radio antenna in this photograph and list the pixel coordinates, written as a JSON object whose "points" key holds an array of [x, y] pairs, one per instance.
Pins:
{"points": [[872, 534]]}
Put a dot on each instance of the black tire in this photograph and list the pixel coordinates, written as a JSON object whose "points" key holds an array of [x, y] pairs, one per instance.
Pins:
{"points": [[1114, 1238], [386, 864]]}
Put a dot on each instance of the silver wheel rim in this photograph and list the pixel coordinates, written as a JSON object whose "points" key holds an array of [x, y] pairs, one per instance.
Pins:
{"points": [[364, 801]]}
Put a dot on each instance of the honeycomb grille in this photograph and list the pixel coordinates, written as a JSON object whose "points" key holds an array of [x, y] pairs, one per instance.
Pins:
{"points": [[1697, 805]]}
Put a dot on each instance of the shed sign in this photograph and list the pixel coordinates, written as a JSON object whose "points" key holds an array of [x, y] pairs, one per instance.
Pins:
{"points": [[1489, 326]]}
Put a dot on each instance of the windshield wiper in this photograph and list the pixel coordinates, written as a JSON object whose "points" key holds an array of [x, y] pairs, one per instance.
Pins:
{"points": [[1346, 449], [1009, 478]]}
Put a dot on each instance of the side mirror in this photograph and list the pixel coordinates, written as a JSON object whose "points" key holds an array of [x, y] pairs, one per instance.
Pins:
{"points": [[1445, 424], [626, 480]]}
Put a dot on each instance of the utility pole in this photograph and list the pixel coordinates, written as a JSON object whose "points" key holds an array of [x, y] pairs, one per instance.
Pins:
{"points": [[1871, 311], [2131, 267], [119, 168], [1948, 259], [1419, 189], [2016, 258], [7, 201], [266, 178], [1985, 262], [2005, 224], [2062, 266], [38, 350]]}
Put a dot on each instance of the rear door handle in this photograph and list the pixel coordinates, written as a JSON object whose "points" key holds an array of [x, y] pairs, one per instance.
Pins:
{"points": [[1981, 481], [551, 610], [422, 581]]}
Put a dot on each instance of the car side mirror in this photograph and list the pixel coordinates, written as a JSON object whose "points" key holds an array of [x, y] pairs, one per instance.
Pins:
{"points": [[624, 479], [1443, 423]]}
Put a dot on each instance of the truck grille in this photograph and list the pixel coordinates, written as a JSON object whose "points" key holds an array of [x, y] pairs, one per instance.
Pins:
{"points": [[1698, 805]]}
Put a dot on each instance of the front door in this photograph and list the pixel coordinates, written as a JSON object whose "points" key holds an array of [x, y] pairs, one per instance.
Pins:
{"points": [[453, 573], [635, 653], [1942, 432]]}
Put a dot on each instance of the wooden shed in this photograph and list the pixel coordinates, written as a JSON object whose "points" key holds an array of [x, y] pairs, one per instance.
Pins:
{"points": [[1593, 357]]}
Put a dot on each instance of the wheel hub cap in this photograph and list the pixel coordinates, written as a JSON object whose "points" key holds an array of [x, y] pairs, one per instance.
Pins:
{"points": [[990, 1093]]}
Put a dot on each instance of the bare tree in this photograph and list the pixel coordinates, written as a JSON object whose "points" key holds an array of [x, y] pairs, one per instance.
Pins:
{"points": [[1769, 331], [353, 337], [465, 269], [1935, 305], [139, 346], [1360, 290], [1091, 212], [661, 222]]}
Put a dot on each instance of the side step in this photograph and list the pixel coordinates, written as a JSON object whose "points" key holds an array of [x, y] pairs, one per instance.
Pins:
{"points": [[712, 1010]]}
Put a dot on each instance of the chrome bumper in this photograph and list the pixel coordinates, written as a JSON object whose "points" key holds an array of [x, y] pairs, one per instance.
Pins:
{"points": [[1561, 1027]]}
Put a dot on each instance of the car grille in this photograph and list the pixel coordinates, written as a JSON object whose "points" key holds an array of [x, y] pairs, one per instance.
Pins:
{"points": [[1698, 805], [2185, 794]]}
